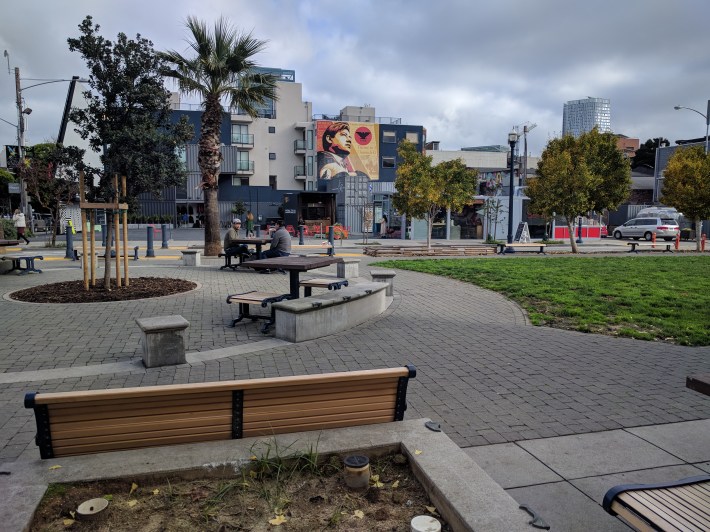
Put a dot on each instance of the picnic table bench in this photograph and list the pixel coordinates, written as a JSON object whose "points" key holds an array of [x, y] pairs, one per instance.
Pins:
{"points": [[228, 260], [9, 242], [94, 421], [678, 505], [330, 284], [651, 245], [256, 298], [29, 261], [504, 246]]}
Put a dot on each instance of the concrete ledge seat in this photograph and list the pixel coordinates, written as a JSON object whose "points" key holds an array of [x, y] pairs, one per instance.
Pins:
{"points": [[384, 276], [326, 282], [348, 268], [307, 318], [191, 257], [163, 342]]}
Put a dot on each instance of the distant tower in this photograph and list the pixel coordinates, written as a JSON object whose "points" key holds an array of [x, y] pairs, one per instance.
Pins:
{"points": [[580, 116]]}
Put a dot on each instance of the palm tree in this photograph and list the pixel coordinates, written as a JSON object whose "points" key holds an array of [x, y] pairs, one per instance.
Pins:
{"points": [[222, 71]]}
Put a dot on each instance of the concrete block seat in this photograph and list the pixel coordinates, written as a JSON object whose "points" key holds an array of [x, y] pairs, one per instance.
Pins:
{"points": [[384, 276], [191, 257], [163, 342], [298, 320], [348, 268]]}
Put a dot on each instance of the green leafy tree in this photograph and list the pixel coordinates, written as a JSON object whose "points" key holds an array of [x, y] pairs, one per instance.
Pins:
{"points": [[646, 154], [51, 177], [686, 185], [222, 70], [127, 119], [422, 189], [5, 177], [578, 175]]}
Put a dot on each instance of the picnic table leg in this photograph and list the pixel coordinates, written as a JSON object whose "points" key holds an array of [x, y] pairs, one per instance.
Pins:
{"points": [[293, 283]]}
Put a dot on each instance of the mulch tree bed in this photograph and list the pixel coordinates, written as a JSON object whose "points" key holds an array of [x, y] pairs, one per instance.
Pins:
{"points": [[73, 291]]}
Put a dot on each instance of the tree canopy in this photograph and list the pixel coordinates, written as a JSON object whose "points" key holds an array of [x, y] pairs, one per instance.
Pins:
{"points": [[422, 189], [686, 185], [222, 70], [128, 114], [578, 175], [646, 154]]}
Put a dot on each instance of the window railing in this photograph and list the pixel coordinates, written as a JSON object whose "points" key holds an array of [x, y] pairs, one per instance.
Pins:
{"points": [[245, 166], [299, 171], [243, 139], [299, 145]]}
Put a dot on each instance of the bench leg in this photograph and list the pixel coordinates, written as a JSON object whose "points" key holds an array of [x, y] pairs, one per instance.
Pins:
{"points": [[307, 291]]}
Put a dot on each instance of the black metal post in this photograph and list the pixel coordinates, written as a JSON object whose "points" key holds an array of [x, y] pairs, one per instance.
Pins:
{"points": [[300, 235], [164, 231], [512, 139], [331, 239], [70, 243], [258, 230], [150, 252], [579, 231]]}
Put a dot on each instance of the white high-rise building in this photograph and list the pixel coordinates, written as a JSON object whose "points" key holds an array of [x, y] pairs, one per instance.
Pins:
{"points": [[580, 116]]}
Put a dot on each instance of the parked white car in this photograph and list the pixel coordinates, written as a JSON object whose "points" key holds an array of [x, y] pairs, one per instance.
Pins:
{"points": [[636, 228]]}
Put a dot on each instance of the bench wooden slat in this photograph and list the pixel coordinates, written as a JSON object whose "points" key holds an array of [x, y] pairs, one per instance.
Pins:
{"points": [[124, 425], [650, 508], [141, 443], [249, 432], [247, 384], [74, 423], [251, 297], [669, 507]]}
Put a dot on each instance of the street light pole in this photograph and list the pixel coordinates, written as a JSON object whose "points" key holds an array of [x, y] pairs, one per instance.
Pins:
{"points": [[512, 140], [706, 116]]}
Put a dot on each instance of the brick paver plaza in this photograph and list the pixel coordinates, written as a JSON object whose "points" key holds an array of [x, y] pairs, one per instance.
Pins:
{"points": [[483, 370]]}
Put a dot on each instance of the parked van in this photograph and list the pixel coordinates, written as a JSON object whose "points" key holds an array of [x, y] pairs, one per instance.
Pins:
{"points": [[665, 228]]}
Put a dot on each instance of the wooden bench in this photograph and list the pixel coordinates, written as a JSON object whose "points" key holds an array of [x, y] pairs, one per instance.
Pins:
{"points": [[29, 263], [256, 298], [228, 260], [679, 505], [330, 284], [651, 245], [503, 247], [9, 242], [94, 421]]}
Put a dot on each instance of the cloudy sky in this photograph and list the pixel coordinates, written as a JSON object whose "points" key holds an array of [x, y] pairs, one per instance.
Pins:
{"points": [[468, 71]]}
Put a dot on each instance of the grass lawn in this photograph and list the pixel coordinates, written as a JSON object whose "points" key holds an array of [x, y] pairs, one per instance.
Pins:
{"points": [[649, 298]]}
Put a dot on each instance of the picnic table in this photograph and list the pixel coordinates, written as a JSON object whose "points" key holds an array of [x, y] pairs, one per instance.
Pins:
{"points": [[254, 241], [294, 265]]}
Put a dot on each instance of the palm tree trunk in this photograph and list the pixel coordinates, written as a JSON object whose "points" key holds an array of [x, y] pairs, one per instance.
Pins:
{"points": [[213, 244], [209, 160]]}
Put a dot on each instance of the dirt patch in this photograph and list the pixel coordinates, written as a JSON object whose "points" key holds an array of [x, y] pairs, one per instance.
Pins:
{"points": [[271, 495], [73, 291]]}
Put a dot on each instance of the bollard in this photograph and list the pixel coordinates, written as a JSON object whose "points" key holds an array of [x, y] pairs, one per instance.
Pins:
{"points": [[76, 255], [331, 239], [702, 242], [150, 252], [70, 244], [135, 253], [258, 231], [103, 235], [653, 240], [164, 230], [677, 241], [300, 235]]}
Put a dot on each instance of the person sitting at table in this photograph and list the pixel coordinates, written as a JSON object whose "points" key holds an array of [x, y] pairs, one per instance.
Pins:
{"points": [[280, 245], [232, 248]]}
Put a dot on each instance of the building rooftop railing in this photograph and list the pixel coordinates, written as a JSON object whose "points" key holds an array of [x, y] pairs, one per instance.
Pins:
{"points": [[362, 118]]}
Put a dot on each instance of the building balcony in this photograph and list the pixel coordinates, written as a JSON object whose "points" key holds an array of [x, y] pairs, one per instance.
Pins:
{"points": [[299, 173], [241, 118], [244, 167], [243, 141], [299, 147]]}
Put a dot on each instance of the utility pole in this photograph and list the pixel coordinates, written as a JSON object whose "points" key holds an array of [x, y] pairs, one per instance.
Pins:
{"points": [[20, 143]]}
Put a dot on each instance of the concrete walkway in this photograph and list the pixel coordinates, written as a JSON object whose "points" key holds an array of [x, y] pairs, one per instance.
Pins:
{"points": [[556, 417]]}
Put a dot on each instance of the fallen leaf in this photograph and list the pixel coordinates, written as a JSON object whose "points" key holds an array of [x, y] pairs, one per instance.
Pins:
{"points": [[134, 487], [68, 522], [432, 510], [278, 520], [252, 457], [395, 484], [108, 497], [417, 451], [132, 503], [375, 478], [73, 514], [252, 474], [359, 514], [51, 468]]}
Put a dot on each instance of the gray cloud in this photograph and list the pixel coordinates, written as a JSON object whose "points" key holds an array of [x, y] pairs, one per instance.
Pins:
{"points": [[467, 71]]}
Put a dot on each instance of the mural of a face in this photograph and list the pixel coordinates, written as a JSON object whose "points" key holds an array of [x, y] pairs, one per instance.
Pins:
{"points": [[341, 142]]}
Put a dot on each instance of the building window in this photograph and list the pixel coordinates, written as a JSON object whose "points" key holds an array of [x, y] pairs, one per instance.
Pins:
{"points": [[387, 162], [240, 181], [309, 166], [413, 137], [389, 136], [272, 182], [310, 185], [309, 139], [240, 134], [272, 129], [272, 156]]}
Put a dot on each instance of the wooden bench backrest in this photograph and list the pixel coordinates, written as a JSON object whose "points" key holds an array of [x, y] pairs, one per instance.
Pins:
{"points": [[83, 422]]}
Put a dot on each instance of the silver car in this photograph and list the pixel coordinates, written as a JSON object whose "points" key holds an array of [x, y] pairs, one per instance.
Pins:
{"points": [[665, 228]]}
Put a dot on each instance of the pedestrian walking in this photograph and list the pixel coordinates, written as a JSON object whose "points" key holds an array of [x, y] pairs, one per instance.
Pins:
{"points": [[20, 224]]}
